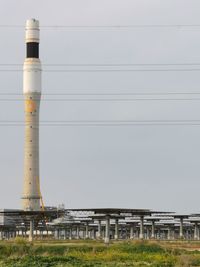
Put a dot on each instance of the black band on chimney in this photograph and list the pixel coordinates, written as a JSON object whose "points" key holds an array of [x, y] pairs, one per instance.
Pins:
{"points": [[32, 50]]}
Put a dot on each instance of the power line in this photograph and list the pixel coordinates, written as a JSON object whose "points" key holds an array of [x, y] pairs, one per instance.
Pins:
{"points": [[106, 121], [103, 124], [109, 123], [123, 70], [106, 65], [107, 70], [112, 27], [107, 100], [106, 94]]}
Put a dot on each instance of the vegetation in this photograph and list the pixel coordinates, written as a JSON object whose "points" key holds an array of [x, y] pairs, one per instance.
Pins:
{"points": [[89, 254]]}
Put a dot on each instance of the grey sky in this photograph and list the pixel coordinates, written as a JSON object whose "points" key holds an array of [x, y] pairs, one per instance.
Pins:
{"points": [[155, 167]]}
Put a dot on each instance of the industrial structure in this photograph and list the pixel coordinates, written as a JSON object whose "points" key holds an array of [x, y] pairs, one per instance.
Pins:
{"points": [[107, 224], [32, 94], [104, 224]]}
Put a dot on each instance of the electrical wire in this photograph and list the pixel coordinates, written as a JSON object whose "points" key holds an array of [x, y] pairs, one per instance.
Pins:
{"points": [[112, 27], [106, 65], [106, 70], [106, 94], [106, 100], [108, 123]]}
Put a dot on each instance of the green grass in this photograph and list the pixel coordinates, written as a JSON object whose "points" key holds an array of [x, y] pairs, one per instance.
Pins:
{"points": [[89, 254]]}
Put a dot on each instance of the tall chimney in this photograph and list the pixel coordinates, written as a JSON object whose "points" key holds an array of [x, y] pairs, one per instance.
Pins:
{"points": [[32, 94]]}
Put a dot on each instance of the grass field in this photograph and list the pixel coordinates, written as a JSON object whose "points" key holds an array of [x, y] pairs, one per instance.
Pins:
{"points": [[91, 253]]}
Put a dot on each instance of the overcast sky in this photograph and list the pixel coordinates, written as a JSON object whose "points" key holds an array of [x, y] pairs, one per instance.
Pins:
{"points": [[156, 167]]}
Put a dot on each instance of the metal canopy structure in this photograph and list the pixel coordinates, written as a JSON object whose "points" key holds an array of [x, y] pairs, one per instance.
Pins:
{"points": [[14, 221], [112, 210], [98, 223]]}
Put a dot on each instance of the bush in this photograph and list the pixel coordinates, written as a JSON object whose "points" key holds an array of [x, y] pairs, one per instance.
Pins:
{"points": [[141, 247]]}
